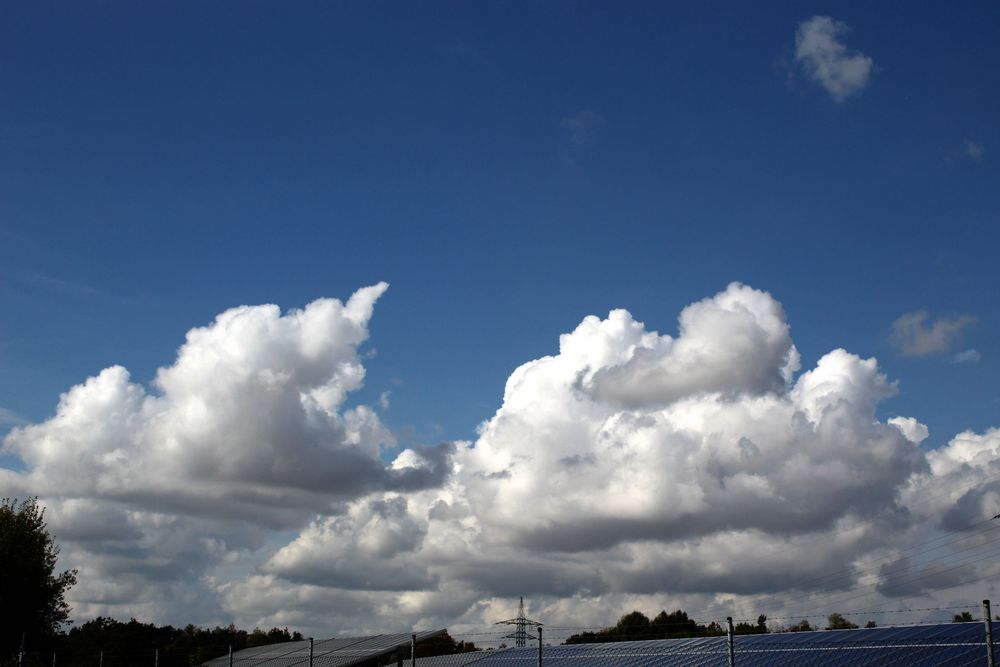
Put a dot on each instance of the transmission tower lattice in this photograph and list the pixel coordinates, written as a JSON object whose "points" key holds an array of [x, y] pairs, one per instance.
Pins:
{"points": [[521, 624]]}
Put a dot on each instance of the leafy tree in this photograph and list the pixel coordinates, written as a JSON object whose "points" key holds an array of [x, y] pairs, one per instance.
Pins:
{"points": [[837, 622], [32, 595], [801, 626], [745, 628], [964, 617], [636, 626]]}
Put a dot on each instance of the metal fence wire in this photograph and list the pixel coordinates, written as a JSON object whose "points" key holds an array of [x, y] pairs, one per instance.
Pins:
{"points": [[948, 645]]}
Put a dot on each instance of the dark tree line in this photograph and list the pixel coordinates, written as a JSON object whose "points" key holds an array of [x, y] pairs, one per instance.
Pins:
{"points": [[113, 643], [834, 621], [636, 626]]}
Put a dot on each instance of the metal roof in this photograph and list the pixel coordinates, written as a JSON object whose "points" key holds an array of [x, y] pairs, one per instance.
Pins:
{"points": [[335, 652], [950, 645]]}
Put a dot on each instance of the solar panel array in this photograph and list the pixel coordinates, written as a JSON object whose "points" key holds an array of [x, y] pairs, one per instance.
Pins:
{"points": [[949, 645], [336, 652]]}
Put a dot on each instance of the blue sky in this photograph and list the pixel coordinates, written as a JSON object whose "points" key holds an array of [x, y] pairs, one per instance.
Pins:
{"points": [[164, 162], [508, 168]]}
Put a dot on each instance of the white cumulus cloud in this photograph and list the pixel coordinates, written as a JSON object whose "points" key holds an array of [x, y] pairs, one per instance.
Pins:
{"points": [[737, 341], [696, 473], [914, 431], [963, 483], [246, 432], [823, 56], [247, 422], [629, 469]]}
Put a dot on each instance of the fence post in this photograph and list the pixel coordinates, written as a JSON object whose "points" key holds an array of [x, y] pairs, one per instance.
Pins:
{"points": [[729, 641], [539, 646], [413, 651], [20, 654], [989, 633], [310, 652], [101, 659], [230, 655], [156, 658]]}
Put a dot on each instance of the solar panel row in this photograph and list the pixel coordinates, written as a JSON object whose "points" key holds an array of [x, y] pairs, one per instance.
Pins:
{"points": [[335, 652], [948, 645]]}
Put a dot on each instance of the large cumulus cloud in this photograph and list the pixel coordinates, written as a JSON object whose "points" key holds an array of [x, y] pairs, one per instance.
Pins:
{"points": [[962, 488], [635, 466], [735, 342], [246, 432], [724, 441], [629, 468], [248, 422]]}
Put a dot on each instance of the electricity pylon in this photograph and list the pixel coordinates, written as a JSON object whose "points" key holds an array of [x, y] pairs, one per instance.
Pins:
{"points": [[520, 634]]}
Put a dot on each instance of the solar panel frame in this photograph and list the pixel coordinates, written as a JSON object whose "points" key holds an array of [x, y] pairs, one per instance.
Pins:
{"points": [[452, 660], [333, 652], [947, 645]]}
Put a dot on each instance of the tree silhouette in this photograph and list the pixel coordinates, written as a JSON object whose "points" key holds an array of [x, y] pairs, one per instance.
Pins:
{"points": [[119, 643], [636, 626], [836, 621], [801, 626], [32, 602], [745, 628]]}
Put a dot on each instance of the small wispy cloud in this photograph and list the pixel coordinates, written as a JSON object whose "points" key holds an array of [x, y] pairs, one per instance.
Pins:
{"points": [[582, 127], [970, 356], [40, 281], [823, 56], [581, 131], [974, 150], [914, 336], [11, 418]]}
